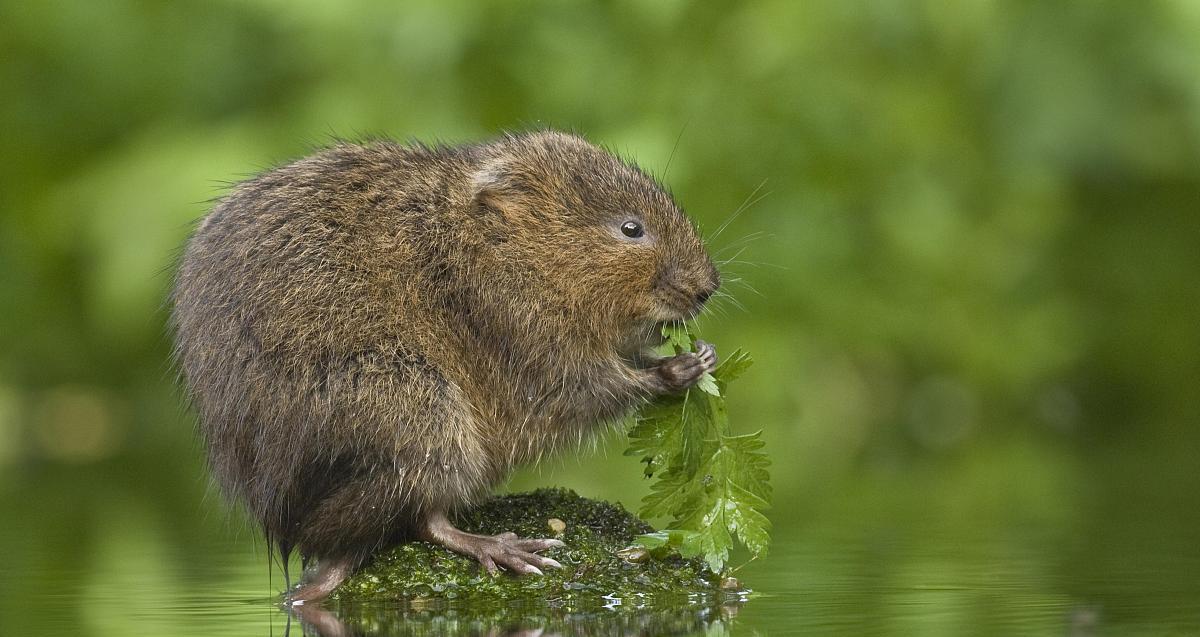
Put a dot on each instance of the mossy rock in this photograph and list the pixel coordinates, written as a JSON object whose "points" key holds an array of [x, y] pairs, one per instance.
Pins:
{"points": [[594, 574]]}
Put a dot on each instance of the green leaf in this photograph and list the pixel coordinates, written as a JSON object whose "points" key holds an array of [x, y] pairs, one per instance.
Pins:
{"points": [[750, 464], [733, 366], [708, 385], [655, 433], [677, 337], [712, 485], [655, 540], [667, 538], [744, 518]]}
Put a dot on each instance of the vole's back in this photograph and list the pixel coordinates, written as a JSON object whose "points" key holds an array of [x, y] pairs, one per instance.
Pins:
{"points": [[310, 334]]}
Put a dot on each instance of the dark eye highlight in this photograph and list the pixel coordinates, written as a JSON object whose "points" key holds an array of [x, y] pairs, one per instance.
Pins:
{"points": [[632, 229]]}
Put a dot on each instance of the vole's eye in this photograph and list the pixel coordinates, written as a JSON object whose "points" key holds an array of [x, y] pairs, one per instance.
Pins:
{"points": [[632, 229]]}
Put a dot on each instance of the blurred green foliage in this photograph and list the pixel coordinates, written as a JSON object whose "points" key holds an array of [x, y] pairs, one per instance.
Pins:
{"points": [[967, 252]]}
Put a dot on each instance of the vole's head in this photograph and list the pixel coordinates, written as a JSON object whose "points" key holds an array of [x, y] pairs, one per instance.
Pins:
{"points": [[618, 251]]}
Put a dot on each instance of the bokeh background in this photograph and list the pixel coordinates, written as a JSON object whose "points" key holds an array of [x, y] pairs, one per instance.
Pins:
{"points": [[968, 248]]}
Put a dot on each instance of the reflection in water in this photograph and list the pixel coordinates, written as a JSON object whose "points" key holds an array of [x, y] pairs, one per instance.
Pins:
{"points": [[437, 618]]}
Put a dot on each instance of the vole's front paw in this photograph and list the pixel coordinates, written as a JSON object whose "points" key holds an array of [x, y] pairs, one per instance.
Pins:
{"points": [[683, 370]]}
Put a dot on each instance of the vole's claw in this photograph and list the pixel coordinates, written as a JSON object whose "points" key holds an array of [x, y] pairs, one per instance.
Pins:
{"points": [[536, 545], [707, 353]]}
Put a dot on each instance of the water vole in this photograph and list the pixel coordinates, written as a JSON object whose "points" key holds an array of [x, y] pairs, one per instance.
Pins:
{"points": [[377, 334]]}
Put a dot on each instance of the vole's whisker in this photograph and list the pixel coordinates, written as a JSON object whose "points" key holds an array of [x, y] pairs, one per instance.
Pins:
{"points": [[749, 238], [752, 264], [750, 201], [730, 280], [725, 296], [716, 307], [742, 283], [732, 259], [674, 148]]}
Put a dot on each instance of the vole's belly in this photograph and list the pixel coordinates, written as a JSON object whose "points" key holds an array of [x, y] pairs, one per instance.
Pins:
{"points": [[552, 429]]}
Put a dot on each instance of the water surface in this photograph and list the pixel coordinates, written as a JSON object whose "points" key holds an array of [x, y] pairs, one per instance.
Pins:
{"points": [[1104, 547]]}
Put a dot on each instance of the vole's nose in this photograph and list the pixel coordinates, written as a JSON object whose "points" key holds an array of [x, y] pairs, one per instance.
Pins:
{"points": [[708, 289], [714, 282]]}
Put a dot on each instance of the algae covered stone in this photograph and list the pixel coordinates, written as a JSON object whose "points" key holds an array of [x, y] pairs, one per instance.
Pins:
{"points": [[595, 566]]}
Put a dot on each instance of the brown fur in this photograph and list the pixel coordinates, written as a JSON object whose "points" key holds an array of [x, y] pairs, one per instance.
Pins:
{"points": [[377, 332]]}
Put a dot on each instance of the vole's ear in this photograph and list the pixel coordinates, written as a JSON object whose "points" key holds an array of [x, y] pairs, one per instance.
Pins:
{"points": [[498, 186]]}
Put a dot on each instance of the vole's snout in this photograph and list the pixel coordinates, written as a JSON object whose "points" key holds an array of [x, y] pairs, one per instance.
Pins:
{"points": [[710, 285], [686, 290], [705, 291]]}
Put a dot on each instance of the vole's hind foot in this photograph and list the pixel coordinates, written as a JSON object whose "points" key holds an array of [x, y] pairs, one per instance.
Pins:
{"points": [[506, 550], [513, 553], [683, 370], [320, 581]]}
